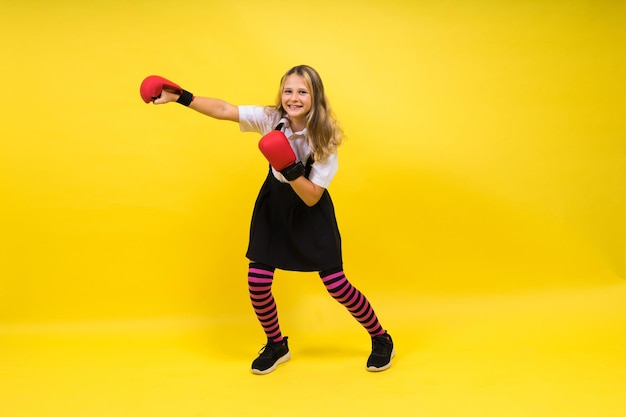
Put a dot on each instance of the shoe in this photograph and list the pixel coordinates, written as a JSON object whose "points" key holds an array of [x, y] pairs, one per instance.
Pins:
{"points": [[272, 355], [382, 353]]}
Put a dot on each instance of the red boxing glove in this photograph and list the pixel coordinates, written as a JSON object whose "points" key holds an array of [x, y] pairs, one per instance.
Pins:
{"points": [[277, 150], [153, 85]]}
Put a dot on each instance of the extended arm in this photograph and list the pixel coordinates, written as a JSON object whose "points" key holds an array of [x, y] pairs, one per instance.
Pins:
{"points": [[212, 107], [159, 90]]}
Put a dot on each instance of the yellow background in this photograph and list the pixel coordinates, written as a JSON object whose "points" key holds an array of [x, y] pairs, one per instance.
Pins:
{"points": [[483, 177]]}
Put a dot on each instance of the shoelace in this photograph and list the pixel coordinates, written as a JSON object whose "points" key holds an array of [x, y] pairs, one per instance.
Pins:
{"points": [[268, 350], [381, 343]]}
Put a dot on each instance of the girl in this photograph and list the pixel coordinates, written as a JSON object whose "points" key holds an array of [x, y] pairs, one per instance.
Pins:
{"points": [[293, 224]]}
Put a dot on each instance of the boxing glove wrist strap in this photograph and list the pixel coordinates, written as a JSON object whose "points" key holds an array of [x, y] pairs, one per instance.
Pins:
{"points": [[185, 98], [294, 171]]}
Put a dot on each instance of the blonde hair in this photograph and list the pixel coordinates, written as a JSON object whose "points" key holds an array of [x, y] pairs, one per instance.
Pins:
{"points": [[324, 132]]}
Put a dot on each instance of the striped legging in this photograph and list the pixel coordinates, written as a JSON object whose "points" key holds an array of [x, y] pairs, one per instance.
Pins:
{"points": [[260, 278]]}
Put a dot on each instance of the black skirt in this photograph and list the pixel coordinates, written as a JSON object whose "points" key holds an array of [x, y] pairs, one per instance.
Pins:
{"points": [[287, 234]]}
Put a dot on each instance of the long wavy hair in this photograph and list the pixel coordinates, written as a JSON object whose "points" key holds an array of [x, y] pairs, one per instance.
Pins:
{"points": [[324, 132]]}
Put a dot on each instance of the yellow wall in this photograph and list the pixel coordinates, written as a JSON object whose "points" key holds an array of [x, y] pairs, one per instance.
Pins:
{"points": [[485, 153]]}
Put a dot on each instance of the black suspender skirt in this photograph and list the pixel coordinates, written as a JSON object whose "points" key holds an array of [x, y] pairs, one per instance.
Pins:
{"points": [[287, 234]]}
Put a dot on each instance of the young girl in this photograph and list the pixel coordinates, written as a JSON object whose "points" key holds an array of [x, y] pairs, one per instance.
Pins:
{"points": [[293, 224]]}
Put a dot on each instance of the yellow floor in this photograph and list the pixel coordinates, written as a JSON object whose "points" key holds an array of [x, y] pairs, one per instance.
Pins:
{"points": [[550, 353]]}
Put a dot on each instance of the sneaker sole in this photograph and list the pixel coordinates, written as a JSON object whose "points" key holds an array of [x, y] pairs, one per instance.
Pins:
{"points": [[280, 360], [383, 368]]}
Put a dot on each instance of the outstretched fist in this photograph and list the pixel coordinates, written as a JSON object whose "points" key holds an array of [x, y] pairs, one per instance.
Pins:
{"points": [[153, 86]]}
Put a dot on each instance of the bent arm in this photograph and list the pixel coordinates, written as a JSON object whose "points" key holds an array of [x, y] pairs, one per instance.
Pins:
{"points": [[308, 192]]}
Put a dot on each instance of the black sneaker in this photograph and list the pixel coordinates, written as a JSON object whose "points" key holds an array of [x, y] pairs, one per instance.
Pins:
{"points": [[272, 355], [382, 353]]}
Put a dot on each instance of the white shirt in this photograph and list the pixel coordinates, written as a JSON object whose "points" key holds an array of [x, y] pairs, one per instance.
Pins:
{"points": [[258, 119]]}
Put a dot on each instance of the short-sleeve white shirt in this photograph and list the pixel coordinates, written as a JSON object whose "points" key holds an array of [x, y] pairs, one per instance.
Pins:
{"points": [[259, 119]]}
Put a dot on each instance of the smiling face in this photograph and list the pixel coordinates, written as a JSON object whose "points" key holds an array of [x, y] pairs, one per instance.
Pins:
{"points": [[296, 100]]}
